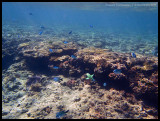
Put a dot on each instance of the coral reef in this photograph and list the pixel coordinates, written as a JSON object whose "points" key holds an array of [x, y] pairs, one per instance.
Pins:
{"points": [[30, 91]]}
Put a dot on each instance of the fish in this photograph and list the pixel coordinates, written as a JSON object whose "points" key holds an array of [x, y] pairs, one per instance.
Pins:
{"points": [[73, 56], [50, 50], [155, 51], [30, 14], [61, 114], [91, 26], [117, 71], [104, 84], [93, 80], [40, 32], [55, 67], [70, 32], [65, 42], [42, 27], [133, 55], [57, 79]]}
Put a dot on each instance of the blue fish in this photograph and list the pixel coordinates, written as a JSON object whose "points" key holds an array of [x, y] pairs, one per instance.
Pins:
{"points": [[104, 84], [65, 42], [133, 55], [73, 56], [50, 50], [55, 67], [117, 71], [57, 79], [42, 27], [91, 26], [61, 113], [93, 80], [155, 51], [30, 13], [40, 32], [70, 32]]}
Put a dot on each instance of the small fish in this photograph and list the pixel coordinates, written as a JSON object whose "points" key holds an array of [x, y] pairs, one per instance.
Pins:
{"points": [[55, 67], [70, 32], [61, 114], [93, 80], [40, 32], [50, 50], [73, 56], [155, 51], [91, 26], [42, 27], [104, 84], [117, 71], [133, 55], [57, 79], [30, 14], [65, 42]]}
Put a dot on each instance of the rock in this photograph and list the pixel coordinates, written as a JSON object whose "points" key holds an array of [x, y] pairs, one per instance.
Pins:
{"points": [[5, 112], [9, 35], [85, 108], [77, 99], [24, 110], [85, 101]]}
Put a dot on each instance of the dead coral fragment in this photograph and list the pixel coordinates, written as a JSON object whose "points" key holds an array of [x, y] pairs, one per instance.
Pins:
{"points": [[36, 87], [71, 83], [34, 83], [147, 67], [116, 76]]}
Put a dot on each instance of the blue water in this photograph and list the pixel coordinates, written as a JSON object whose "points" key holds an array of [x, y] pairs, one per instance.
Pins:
{"points": [[136, 21]]}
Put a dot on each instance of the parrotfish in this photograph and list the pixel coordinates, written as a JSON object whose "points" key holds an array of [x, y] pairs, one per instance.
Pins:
{"points": [[70, 32], [117, 71], [133, 55], [40, 32], [89, 76], [61, 113]]}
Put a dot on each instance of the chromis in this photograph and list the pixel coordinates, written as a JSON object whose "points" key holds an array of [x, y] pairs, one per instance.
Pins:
{"points": [[60, 114], [30, 13], [91, 26], [155, 51], [42, 27], [57, 79], [55, 67], [70, 32], [117, 71], [73, 56], [133, 55], [104, 84], [40, 32], [50, 50], [65, 42]]}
